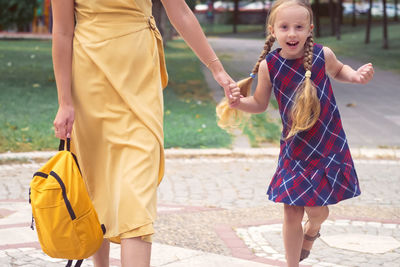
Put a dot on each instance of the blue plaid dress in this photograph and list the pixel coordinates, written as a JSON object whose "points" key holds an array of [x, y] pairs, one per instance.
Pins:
{"points": [[315, 167]]}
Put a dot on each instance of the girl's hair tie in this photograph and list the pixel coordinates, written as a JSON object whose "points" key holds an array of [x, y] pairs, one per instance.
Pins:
{"points": [[252, 75], [308, 74]]}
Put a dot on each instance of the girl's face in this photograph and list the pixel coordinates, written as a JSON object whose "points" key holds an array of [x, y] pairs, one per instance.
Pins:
{"points": [[291, 28]]}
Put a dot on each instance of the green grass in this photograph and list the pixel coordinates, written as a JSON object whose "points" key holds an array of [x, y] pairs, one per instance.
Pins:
{"points": [[28, 99], [352, 45], [222, 29], [190, 119], [260, 128]]}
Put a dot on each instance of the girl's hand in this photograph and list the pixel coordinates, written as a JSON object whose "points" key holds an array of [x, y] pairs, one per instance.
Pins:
{"points": [[364, 74], [63, 122], [235, 93]]}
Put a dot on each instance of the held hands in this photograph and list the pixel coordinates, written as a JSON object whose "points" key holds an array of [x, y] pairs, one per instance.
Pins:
{"points": [[63, 121], [232, 91], [235, 96], [364, 74]]}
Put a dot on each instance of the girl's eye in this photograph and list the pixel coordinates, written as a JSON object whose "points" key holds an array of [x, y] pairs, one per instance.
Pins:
{"points": [[284, 27], [299, 27]]}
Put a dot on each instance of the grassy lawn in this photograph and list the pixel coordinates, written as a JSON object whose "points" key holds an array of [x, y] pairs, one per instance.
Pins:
{"points": [[352, 45], [222, 29], [190, 119], [28, 99]]}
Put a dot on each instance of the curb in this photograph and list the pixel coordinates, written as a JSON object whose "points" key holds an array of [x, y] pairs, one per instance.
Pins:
{"points": [[24, 35], [173, 153]]}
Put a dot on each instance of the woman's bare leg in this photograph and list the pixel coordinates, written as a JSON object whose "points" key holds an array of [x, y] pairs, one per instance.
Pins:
{"points": [[135, 252], [102, 256]]}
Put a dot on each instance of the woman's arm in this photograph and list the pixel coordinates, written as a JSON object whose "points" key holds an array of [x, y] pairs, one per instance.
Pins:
{"points": [[63, 32], [345, 73], [189, 28], [259, 101]]}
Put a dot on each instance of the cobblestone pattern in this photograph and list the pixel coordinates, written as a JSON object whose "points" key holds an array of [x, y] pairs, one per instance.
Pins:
{"points": [[238, 186], [266, 241]]}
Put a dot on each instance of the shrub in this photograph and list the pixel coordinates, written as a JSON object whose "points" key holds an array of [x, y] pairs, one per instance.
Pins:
{"points": [[17, 13]]}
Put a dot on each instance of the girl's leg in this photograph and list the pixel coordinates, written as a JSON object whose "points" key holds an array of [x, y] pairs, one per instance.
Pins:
{"points": [[101, 257], [292, 233], [316, 216], [135, 252]]}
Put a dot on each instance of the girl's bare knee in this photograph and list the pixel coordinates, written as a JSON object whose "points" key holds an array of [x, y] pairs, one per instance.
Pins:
{"points": [[318, 213], [293, 214]]}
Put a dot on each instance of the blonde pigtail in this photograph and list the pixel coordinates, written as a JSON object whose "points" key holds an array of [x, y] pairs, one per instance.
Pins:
{"points": [[230, 118], [306, 108]]}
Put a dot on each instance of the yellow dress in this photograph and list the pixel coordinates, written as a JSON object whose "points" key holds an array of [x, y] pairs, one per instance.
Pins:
{"points": [[118, 73]]}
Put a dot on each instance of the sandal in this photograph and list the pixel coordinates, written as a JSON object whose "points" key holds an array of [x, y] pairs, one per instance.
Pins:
{"points": [[305, 253]]}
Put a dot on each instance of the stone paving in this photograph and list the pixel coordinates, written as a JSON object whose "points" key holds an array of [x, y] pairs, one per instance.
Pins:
{"points": [[216, 207]]}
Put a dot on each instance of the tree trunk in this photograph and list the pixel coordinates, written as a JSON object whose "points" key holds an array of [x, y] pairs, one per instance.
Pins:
{"points": [[368, 31], [162, 22], [385, 26], [158, 13], [339, 13], [317, 22], [332, 16], [353, 19], [265, 14], [235, 16], [396, 10]]}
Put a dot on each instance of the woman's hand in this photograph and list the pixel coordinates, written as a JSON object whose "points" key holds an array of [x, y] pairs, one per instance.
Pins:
{"points": [[364, 74], [232, 91], [63, 122]]}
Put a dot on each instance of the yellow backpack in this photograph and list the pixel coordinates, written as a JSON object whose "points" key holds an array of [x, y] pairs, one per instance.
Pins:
{"points": [[66, 221]]}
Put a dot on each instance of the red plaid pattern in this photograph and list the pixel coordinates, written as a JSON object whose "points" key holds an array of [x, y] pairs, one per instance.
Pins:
{"points": [[315, 167]]}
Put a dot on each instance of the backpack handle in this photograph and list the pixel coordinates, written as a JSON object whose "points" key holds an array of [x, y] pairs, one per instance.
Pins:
{"points": [[77, 264], [62, 147]]}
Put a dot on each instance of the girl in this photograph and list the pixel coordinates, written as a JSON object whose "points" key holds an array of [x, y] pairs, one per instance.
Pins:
{"points": [[110, 72], [315, 168]]}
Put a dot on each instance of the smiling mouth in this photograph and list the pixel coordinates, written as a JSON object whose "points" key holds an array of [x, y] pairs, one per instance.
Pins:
{"points": [[292, 43]]}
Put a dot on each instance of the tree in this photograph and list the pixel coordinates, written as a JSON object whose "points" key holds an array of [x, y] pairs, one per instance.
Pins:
{"points": [[235, 16], [369, 19], [339, 18], [353, 18], [385, 26], [16, 12], [162, 21], [332, 16], [317, 21]]}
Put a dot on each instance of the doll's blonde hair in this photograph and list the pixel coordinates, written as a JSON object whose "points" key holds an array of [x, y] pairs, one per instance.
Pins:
{"points": [[306, 107]]}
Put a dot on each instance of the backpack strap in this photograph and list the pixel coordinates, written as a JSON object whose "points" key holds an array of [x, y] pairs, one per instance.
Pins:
{"points": [[77, 264], [61, 147]]}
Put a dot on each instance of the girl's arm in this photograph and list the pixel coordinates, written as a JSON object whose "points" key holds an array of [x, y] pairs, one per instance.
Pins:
{"points": [[63, 31], [189, 28], [345, 73], [258, 102]]}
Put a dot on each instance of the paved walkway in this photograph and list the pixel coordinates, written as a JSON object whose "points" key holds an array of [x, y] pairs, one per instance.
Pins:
{"points": [[213, 212]]}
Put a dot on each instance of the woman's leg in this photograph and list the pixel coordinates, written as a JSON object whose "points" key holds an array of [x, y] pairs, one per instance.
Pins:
{"points": [[101, 257], [292, 233], [316, 216], [135, 252]]}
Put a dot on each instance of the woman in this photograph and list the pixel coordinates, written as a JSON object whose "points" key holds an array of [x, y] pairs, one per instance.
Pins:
{"points": [[110, 72]]}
